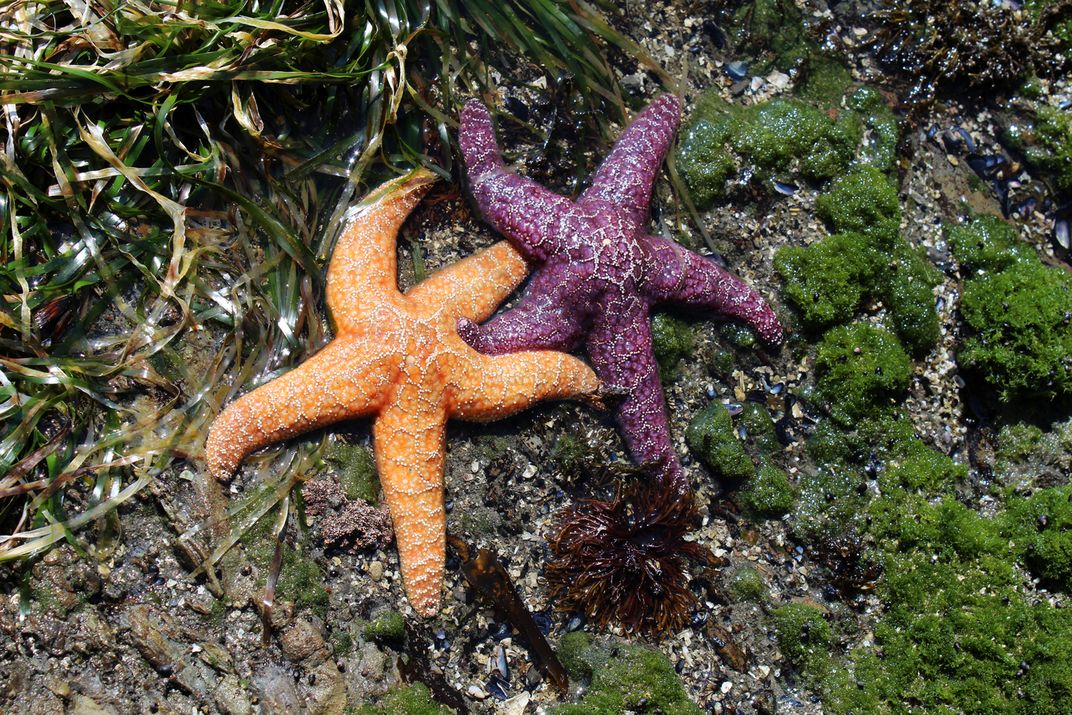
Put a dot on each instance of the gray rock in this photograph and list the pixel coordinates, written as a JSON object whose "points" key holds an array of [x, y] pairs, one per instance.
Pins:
{"points": [[369, 673], [327, 692], [217, 657], [147, 630], [303, 640], [231, 697], [375, 570], [83, 705], [277, 692]]}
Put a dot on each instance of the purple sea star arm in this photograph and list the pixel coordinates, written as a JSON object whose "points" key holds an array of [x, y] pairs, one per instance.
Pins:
{"points": [[626, 176], [620, 349], [518, 208], [552, 316], [686, 278]]}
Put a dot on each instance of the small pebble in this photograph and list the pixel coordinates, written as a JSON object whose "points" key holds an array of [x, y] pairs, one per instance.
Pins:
{"points": [[779, 80]]}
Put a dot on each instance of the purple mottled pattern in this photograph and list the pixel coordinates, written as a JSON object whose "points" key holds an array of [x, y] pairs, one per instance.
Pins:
{"points": [[601, 272]]}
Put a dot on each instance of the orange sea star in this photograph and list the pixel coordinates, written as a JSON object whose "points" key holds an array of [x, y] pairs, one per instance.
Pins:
{"points": [[399, 357]]}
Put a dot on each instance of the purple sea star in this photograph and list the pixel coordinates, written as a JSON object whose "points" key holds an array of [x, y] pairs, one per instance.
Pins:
{"points": [[601, 272]]}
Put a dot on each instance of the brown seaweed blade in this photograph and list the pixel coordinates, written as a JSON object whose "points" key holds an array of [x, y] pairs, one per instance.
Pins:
{"points": [[416, 668], [486, 574]]}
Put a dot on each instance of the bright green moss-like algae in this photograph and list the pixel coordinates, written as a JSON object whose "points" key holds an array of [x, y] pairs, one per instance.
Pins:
{"points": [[959, 633], [1018, 311], [782, 139], [769, 494], [672, 340], [622, 678], [357, 471], [301, 580], [1052, 151], [785, 139], [413, 699], [387, 626], [860, 367], [711, 436], [865, 257], [746, 584], [960, 630], [804, 637], [851, 150], [764, 492]]}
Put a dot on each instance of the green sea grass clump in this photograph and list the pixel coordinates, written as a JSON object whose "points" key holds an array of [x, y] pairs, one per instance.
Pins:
{"points": [[760, 432], [811, 139], [746, 584], [1041, 527], [732, 454], [883, 130], [828, 280], [769, 494], [824, 80], [918, 468], [774, 30], [959, 632], [1026, 454], [883, 444], [301, 580], [825, 281], [357, 471], [985, 244], [907, 290], [387, 626]]}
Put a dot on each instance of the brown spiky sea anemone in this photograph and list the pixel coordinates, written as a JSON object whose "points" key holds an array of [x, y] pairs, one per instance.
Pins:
{"points": [[626, 560]]}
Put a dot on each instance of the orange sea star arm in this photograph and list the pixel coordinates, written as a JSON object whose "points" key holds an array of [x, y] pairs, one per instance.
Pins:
{"points": [[475, 286], [409, 437], [488, 387], [342, 381], [363, 269]]}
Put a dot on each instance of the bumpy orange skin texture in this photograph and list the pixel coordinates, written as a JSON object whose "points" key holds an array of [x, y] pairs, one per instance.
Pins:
{"points": [[398, 357]]}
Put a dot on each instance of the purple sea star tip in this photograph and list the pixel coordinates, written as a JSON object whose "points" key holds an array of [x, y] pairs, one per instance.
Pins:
{"points": [[601, 272]]}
